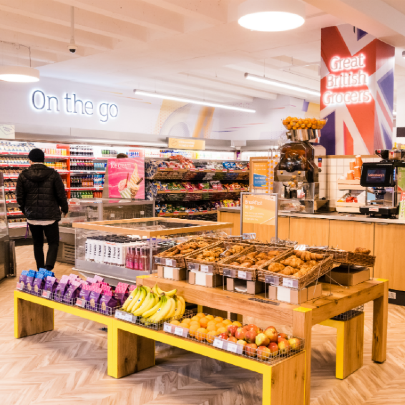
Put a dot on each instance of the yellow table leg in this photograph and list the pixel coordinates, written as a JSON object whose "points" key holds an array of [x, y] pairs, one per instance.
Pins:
{"points": [[349, 344]]}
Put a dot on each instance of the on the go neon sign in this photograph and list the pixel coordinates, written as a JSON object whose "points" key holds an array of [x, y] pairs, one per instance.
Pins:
{"points": [[347, 78]]}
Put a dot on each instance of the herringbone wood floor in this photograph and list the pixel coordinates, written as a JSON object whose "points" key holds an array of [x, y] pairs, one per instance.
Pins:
{"points": [[68, 366]]}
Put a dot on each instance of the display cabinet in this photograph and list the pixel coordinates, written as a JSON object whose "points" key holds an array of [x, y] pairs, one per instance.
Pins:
{"points": [[100, 209], [4, 236], [122, 249]]}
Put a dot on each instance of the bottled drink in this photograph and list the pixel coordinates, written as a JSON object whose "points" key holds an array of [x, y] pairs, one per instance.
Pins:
{"points": [[136, 258]]}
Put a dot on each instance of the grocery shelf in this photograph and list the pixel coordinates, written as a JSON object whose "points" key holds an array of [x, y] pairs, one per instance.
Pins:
{"points": [[14, 165], [14, 213], [4, 153], [11, 201], [9, 188], [86, 172], [11, 176], [83, 188], [82, 157], [199, 191], [13, 225]]}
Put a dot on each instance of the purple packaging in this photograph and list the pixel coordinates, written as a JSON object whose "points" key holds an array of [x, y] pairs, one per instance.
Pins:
{"points": [[30, 280], [50, 284], [61, 289], [85, 293], [23, 279], [94, 299], [39, 282], [107, 301], [72, 292]]}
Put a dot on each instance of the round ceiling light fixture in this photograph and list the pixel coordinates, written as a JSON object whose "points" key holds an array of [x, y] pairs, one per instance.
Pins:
{"points": [[19, 74], [271, 15]]}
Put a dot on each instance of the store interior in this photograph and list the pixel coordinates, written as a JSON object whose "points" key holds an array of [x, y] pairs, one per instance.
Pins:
{"points": [[235, 178]]}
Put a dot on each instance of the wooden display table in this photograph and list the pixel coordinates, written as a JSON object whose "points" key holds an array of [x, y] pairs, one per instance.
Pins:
{"points": [[301, 318], [131, 348]]}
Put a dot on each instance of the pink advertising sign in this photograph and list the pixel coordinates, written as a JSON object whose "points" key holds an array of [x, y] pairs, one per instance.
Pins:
{"points": [[126, 178]]}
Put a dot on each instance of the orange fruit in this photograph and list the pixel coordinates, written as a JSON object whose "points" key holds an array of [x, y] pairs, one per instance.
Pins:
{"points": [[218, 319], [195, 323], [204, 322], [211, 328], [221, 330], [220, 325], [227, 322], [236, 323], [211, 323], [175, 322], [211, 336], [201, 315], [200, 334], [192, 330], [195, 318], [210, 317]]}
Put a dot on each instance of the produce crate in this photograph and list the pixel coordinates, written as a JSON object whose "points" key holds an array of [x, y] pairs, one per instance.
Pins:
{"points": [[212, 267], [179, 261], [277, 279], [345, 257], [226, 269]]}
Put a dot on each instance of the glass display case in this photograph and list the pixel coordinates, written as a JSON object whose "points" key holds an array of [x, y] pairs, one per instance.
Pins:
{"points": [[4, 237], [121, 250], [100, 209]]}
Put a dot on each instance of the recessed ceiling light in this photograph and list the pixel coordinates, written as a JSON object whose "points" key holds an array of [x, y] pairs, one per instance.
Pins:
{"points": [[19, 74], [277, 83], [192, 101], [271, 15]]}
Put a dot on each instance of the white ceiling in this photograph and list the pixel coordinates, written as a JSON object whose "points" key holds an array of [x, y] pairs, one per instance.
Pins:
{"points": [[192, 48]]}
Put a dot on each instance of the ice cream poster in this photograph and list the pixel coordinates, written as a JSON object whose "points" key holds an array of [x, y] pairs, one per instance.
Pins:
{"points": [[126, 178]]}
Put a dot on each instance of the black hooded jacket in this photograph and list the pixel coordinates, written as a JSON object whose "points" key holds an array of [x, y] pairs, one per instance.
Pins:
{"points": [[40, 193]]}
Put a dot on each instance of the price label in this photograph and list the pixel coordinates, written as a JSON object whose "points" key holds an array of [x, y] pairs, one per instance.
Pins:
{"points": [[157, 259], [224, 170], [205, 268], [287, 282], [179, 331], [374, 209], [231, 170], [171, 262], [81, 303], [46, 294], [192, 266], [232, 347], [200, 169], [20, 286], [218, 343], [167, 327], [242, 274], [272, 280]]}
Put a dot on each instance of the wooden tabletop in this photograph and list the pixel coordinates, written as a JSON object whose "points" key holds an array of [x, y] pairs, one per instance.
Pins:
{"points": [[334, 301]]}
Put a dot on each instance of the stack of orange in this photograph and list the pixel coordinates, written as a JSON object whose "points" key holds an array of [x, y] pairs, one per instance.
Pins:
{"points": [[205, 327], [303, 123]]}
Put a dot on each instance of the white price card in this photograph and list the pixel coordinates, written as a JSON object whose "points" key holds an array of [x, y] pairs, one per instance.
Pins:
{"points": [[242, 274], [46, 294], [171, 262], [287, 282], [205, 268], [20, 286], [218, 343], [167, 327], [180, 331], [232, 347], [80, 302]]}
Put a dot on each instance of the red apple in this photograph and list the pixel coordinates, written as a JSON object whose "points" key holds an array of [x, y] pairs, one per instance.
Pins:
{"points": [[240, 334], [263, 353], [242, 342], [231, 329], [273, 348], [271, 333], [232, 339], [283, 335], [294, 343], [223, 336], [262, 340], [250, 349], [253, 327], [284, 347], [250, 336], [279, 339]]}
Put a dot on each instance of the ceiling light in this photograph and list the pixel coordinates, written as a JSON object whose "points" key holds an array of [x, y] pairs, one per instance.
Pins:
{"points": [[192, 101], [276, 83], [19, 74], [271, 15]]}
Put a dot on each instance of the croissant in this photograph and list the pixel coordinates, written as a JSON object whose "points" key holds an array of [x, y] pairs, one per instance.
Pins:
{"points": [[275, 267], [261, 256], [252, 255], [241, 259], [273, 253], [193, 245], [288, 271], [246, 264], [184, 252], [258, 263], [234, 264]]}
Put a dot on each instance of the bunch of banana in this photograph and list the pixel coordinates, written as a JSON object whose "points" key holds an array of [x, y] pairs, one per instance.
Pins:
{"points": [[137, 296]]}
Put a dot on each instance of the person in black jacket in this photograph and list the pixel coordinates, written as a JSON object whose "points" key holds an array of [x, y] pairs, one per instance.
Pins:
{"points": [[41, 197]]}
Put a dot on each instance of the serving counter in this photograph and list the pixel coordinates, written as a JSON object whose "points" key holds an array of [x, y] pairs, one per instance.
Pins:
{"points": [[384, 238]]}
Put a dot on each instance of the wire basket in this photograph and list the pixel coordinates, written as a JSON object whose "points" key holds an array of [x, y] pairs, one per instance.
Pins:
{"points": [[346, 257], [345, 316]]}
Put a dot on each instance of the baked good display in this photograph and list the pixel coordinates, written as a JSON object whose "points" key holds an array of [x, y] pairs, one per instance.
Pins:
{"points": [[184, 249], [362, 251]]}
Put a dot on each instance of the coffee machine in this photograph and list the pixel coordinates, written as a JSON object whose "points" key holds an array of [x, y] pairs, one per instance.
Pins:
{"points": [[382, 180], [296, 177]]}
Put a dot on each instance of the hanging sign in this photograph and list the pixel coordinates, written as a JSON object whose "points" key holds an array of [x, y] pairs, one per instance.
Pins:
{"points": [[189, 144]]}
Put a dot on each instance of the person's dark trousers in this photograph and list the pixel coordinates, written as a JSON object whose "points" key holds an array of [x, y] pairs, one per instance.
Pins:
{"points": [[52, 236]]}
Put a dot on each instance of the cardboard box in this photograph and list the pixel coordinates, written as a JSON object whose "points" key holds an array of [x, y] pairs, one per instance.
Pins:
{"points": [[252, 287], [292, 296], [204, 279], [343, 276], [172, 273]]}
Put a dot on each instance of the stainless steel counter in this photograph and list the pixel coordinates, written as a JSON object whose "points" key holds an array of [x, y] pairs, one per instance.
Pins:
{"points": [[329, 215]]}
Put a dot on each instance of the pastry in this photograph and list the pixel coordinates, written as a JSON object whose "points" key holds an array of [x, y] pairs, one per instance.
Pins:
{"points": [[276, 267], [362, 250]]}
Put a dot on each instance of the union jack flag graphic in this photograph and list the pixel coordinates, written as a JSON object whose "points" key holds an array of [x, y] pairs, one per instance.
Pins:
{"points": [[357, 91]]}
